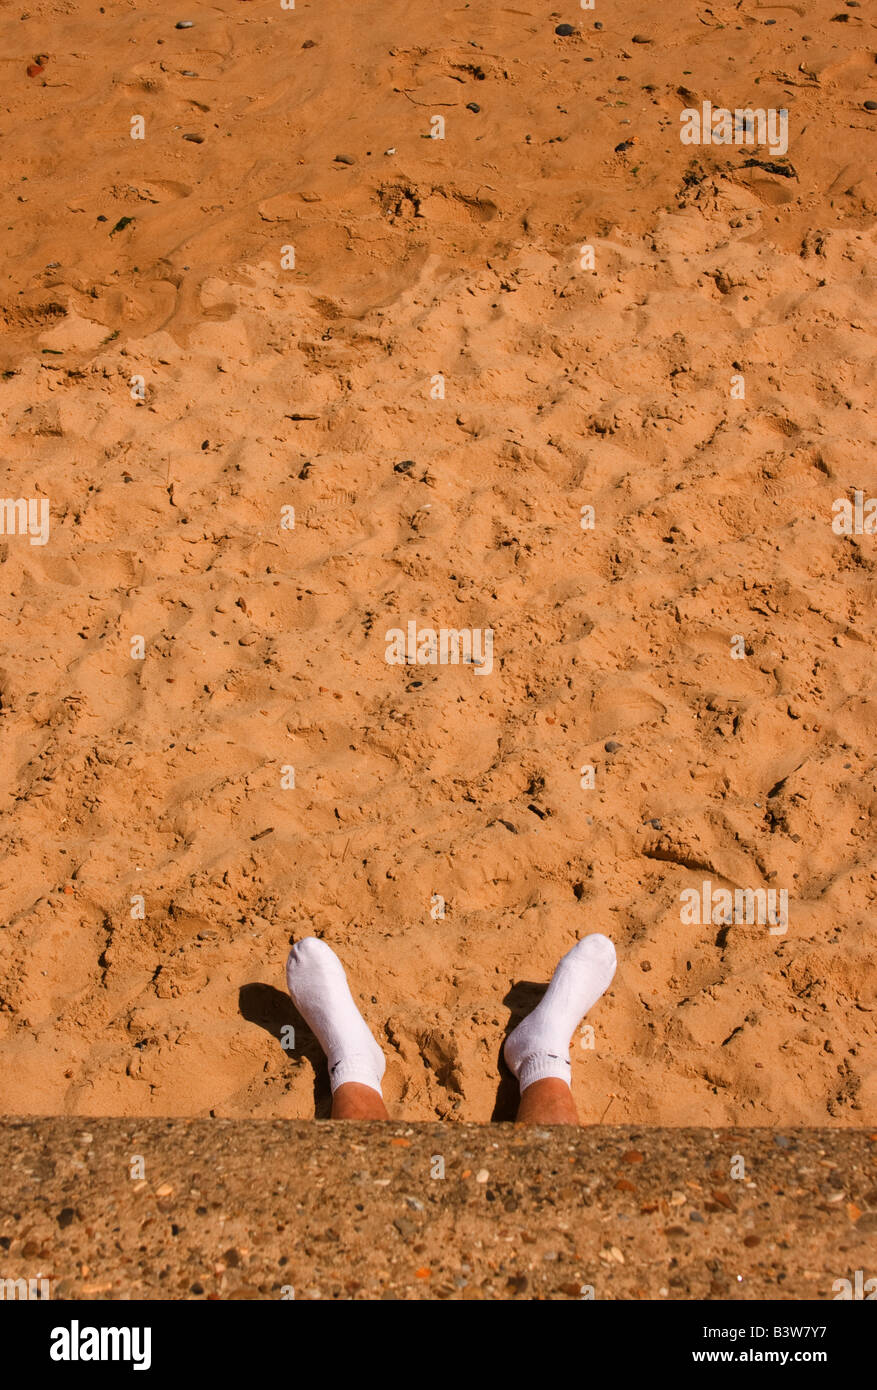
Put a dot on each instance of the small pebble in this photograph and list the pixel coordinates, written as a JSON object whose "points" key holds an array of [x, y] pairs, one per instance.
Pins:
{"points": [[871, 105], [612, 746], [473, 106], [344, 159], [482, 1175], [597, 24], [391, 151], [656, 824], [195, 139], [564, 30], [642, 38], [184, 24], [404, 466]]}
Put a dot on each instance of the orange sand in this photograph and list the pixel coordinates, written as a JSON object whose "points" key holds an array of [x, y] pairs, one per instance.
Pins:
{"points": [[268, 387]]}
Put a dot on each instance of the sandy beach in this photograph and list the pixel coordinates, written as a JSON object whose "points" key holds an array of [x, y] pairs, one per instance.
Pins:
{"points": [[324, 321]]}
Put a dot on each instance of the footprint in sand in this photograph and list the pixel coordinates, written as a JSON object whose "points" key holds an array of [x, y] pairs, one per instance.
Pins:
{"points": [[615, 708]]}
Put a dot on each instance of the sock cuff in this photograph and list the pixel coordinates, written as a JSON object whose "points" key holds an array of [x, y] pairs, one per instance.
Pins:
{"points": [[540, 1065], [360, 1069]]}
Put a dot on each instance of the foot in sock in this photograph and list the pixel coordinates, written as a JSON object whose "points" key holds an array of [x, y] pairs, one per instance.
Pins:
{"points": [[539, 1046], [318, 988]]}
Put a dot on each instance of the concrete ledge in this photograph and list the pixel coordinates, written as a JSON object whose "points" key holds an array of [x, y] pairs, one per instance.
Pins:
{"points": [[228, 1209]]}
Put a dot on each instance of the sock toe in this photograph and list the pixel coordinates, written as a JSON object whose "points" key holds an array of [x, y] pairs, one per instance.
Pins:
{"points": [[308, 954], [597, 948]]}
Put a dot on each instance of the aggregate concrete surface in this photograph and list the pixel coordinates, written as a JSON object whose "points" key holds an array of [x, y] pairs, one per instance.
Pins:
{"points": [[227, 1209]]}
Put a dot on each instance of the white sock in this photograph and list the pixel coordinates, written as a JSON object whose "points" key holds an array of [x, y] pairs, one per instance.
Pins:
{"points": [[539, 1046], [318, 987]]}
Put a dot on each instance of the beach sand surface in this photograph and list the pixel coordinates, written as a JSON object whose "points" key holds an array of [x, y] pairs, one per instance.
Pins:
{"points": [[314, 304]]}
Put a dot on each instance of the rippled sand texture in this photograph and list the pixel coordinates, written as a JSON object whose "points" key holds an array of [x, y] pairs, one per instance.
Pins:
{"points": [[268, 387]]}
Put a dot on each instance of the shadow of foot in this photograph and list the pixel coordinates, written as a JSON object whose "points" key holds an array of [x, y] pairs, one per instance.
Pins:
{"points": [[271, 1009], [521, 1000]]}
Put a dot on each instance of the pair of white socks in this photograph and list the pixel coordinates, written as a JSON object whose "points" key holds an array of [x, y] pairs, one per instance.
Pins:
{"points": [[536, 1049]]}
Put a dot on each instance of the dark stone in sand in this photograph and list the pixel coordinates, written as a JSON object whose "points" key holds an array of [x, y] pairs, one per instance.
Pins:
{"points": [[612, 746], [871, 105], [473, 106], [344, 159], [641, 38], [195, 139], [404, 466], [784, 170], [184, 24], [656, 824], [564, 30]]}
